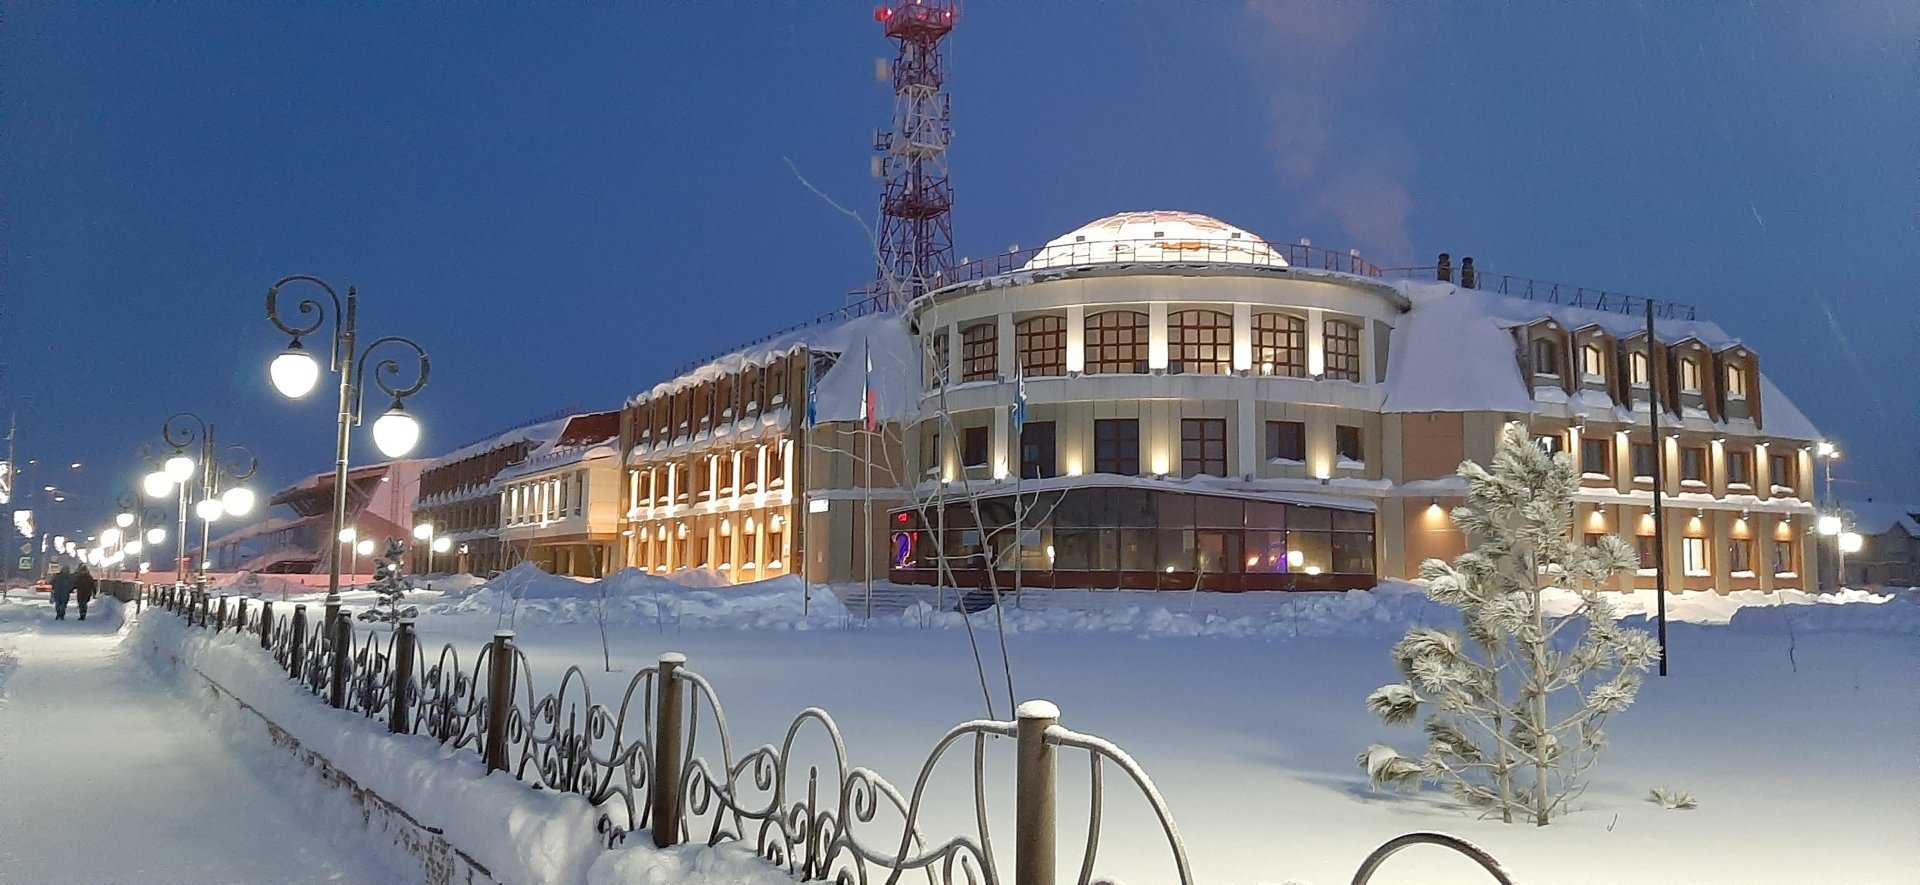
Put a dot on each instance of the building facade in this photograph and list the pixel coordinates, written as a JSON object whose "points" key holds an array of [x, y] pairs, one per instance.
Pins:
{"points": [[560, 507], [460, 497], [1889, 554], [1197, 407], [300, 539]]}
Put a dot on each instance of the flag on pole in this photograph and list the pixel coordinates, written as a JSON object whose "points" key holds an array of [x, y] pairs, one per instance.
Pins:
{"points": [[813, 414], [1019, 401], [869, 403]]}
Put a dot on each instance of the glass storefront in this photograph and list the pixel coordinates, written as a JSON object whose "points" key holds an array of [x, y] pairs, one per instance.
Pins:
{"points": [[1129, 536]]}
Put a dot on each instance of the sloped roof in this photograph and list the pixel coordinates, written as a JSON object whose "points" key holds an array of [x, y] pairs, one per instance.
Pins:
{"points": [[1876, 517]]}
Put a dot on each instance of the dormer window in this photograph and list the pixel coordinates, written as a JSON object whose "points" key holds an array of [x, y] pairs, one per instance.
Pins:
{"points": [[1689, 375], [1637, 369], [1593, 363], [1736, 383], [1546, 357]]}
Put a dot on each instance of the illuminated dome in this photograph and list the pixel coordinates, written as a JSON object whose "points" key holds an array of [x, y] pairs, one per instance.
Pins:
{"points": [[1157, 235]]}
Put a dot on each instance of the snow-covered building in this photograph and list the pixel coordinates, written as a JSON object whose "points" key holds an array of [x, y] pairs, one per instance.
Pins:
{"points": [[726, 471], [460, 495], [299, 539], [560, 506], [1889, 554], [1203, 407]]}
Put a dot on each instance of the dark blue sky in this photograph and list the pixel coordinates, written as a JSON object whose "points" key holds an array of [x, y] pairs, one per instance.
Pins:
{"points": [[563, 204]]}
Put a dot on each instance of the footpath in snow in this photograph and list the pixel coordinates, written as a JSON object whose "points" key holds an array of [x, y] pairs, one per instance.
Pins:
{"points": [[108, 775]]}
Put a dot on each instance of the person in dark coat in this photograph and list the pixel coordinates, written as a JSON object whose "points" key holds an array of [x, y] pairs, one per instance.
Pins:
{"points": [[83, 587], [62, 582]]}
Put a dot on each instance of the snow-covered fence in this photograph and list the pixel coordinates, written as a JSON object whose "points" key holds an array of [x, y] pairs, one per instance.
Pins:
{"points": [[643, 765]]}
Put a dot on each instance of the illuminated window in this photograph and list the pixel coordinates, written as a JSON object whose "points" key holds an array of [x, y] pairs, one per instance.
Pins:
{"points": [[1693, 553], [1043, 346], [1200, 342], [1637, 369], [1593, 362], [1342, 340], [1736, 382], [979, 352], [1280, 345], [1116, 343], [1689, 375]]}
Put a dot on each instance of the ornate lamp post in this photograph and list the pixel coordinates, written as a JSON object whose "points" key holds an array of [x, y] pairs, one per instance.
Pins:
{"points": [[181, 430], [295, 373]]}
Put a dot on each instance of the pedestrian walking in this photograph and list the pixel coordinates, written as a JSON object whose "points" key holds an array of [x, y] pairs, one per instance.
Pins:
{"points": [[62, 582], [83, 587]]}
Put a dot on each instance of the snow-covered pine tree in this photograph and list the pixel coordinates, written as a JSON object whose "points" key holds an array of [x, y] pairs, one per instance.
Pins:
{"points": [[1515, 708], [390, 585]]}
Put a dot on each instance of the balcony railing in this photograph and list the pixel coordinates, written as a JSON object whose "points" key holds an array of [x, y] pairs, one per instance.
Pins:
{"points": [[1158, 250], [1551, 292]]}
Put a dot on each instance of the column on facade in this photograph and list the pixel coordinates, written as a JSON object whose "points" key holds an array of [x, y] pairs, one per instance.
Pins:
{"points": [[1157, 336], [1076, 338]]}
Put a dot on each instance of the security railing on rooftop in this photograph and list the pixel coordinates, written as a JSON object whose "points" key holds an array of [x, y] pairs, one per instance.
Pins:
{"points": [[1158, 250], [1516, 286]]}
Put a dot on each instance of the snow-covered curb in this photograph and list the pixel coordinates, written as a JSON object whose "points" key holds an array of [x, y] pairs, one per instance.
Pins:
{"points": [[521, 835]]}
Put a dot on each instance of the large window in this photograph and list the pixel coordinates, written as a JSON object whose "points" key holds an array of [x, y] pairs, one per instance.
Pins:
{"points": [[974, 447], [1286, 441], [1350, 444], [1043, 346], [1342, 340], [1648, 551], [980, 352], [1200, 342], [1596, 456], [1593, 362], [1740, 556], [1736, 382], [1637, 369], [1116, 446], [1280, 345], [1643, 463], [1739, 467], [1546, 357], [1689, 375], [1038, 457], [1693, 464], [1783, 554], [1693, 555], [1116, 343], [1780, 466], [1203, 446], [777, 461]]}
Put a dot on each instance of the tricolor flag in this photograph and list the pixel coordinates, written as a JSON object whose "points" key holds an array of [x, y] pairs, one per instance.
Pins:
{"points": [[869, 398], [813, 414]]}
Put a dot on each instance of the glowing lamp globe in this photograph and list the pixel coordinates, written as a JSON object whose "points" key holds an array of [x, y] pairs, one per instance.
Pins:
{"points": [[157, 484], [1829, 525], [156, 535], [364, 548], [209, 509], [294, 372], [1851, 542], [110, 537], [423, 531], [123, 520], [237, 500], [348, 534], [179, 468], [442, 544], [395, 433], [134, 547]]}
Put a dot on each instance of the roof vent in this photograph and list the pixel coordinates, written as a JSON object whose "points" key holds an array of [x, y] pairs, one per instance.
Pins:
{"points": [[1158, 234], [1080, 239], [1234, 236], [1469, 279], [1443, 268]]}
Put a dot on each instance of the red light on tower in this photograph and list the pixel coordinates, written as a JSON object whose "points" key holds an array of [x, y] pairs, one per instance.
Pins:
{"points": [[881, 14]]}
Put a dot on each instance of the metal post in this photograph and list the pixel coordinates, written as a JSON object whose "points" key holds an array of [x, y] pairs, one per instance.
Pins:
{"points": [[1659, 527], [665, 800], [1033, 846], [499, 699], [342, 433], [220, 617], [401, 695], [332, 609], [342, 646], [266, 623], [298, 639], [240, 617]]}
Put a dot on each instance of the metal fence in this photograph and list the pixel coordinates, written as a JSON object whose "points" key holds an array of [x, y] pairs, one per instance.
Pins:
{"points": [[1551, 292], [641, 764]]}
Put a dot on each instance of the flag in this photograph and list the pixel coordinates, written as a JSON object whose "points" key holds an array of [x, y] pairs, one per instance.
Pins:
{"points": [[1019, 401], [869, 404], [813, 414]]}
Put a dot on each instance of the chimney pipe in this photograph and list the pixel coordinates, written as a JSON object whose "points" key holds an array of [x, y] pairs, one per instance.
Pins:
{"points": [[1468, 279], [1443, 268]]}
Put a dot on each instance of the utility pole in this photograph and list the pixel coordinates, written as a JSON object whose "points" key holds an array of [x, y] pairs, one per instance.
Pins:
{"points": [[1659, 528]]}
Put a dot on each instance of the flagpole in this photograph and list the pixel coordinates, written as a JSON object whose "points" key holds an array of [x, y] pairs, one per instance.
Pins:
{"points": [[868, 422], [1019, 473]]}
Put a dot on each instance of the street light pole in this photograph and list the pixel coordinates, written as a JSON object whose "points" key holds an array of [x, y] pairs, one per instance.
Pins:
{"points": [[295, 373]]}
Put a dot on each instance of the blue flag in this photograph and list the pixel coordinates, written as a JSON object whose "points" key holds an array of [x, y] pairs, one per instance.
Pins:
{"points": [[813, 416]]}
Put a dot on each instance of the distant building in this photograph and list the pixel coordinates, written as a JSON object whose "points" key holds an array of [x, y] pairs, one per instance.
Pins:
{"points": [[461, 497], [300, 539], [1889, 555], [560, 506]]}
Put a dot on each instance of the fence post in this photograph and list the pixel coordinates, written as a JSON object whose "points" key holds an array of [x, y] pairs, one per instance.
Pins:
{"points": [[499, 699], [220, 617], [398, 698], [665, 800], [332, 615], [298, 639], [341, 646], [266, 623], [240, 617], [1034, 794]]}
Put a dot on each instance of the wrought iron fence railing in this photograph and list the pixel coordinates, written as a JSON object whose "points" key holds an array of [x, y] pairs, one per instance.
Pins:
{"points": [[641, 762]]}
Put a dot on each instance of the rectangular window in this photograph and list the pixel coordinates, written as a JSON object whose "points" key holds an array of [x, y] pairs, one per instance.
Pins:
{"points": [[1693, 464], [777, 381], [1347, 442], [1116, 343], [1783, 556], [1739, 468], [1593, 362], [937, 360], [1781, 468], [1649, 554], [1342, 342], [1693, 553], [1596, 456], [1637, 369], [1042, 346], [725, 461], [980, 352], [1546, 357], [1551, 443], [1689, 375], [1736, 382], [1643, 461], [777, 463], [1740, 555], [1116, 446], [930, 466], [1280, 345], [1037, 455], [750, 469], [1286, 441], [1200, 342], [974, 447], [1203, 446]]}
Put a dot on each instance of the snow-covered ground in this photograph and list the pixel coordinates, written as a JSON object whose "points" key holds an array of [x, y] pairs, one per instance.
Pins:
{"points": [[111, 775]]}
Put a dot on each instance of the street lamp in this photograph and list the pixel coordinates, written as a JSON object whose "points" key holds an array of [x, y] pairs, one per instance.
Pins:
{"points": [[180, 430], [156, 535], [295, 373], [364, 548], [123, 520], [157, 484]]}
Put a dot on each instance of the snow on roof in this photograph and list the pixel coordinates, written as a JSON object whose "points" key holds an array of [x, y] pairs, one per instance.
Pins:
{"points": [[539, 433], [1877, 517], [1155, 235], [896, 365], [1454, 352]]}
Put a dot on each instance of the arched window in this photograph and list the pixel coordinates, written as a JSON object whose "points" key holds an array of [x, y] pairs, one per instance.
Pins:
{"points": [[1200, 342], [1342, 350], [1043, 346], [980, 352], [1116, 343], [1280, 345]]}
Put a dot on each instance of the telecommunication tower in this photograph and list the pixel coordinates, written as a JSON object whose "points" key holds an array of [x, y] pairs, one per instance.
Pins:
{"points": [[916, 202]]}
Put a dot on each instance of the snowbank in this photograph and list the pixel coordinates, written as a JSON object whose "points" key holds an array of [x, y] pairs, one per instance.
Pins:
{"points": [[520, 834], [525, 595]]}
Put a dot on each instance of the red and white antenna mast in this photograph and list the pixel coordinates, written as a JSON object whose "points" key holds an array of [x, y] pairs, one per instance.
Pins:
{"points": [[916, 203]]}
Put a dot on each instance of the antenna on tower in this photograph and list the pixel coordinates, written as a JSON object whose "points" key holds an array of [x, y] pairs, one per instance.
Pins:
{"points": [[916, 199]]}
